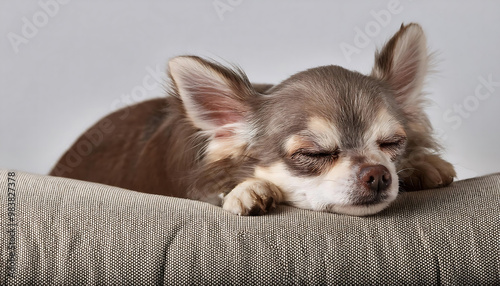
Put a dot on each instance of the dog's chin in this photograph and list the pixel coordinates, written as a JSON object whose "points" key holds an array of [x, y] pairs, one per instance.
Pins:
{"points": [[356, 208], [360, 206], [365, 209]]}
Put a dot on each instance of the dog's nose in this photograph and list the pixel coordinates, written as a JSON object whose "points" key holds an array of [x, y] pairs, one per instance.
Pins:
{"points": [[375, 178]]}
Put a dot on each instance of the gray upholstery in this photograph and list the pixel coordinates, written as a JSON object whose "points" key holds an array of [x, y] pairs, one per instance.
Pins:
{"points": [[73, 232]]}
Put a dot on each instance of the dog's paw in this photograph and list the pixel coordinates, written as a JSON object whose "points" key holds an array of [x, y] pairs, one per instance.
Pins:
{"points": [[428, 172], [252, 197]]}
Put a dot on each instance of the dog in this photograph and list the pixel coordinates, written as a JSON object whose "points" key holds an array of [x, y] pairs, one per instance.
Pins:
{"points": [[325, 139]]}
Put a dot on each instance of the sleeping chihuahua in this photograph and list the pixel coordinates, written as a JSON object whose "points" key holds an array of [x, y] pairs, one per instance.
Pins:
{"points": [[325, 139]]}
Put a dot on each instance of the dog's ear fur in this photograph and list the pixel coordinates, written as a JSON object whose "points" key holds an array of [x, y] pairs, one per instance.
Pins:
{"points": [[213, 96], [402, 64]]}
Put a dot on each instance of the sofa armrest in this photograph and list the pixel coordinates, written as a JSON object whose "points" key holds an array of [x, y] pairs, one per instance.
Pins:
{"points": [[62, 231]]}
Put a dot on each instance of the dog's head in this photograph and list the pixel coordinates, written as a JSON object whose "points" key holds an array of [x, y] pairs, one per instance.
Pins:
{"points": [[330, 138]]}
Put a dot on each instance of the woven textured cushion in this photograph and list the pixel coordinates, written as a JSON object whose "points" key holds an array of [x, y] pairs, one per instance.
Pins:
{"points": [[61, 231]]}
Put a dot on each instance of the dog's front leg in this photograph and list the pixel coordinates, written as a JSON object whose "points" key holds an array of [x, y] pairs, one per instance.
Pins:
{"points": [[425, 171], [252, 197]]}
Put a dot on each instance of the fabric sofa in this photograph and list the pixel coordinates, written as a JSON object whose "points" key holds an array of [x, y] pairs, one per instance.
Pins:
{"points": [[67, 232]]}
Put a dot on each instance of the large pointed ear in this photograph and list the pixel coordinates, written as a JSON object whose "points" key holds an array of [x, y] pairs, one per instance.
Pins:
{"points": [[402, 64], [213, 96]]}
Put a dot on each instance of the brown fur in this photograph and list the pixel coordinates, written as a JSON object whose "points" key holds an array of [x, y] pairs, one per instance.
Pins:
{"points": [[305, 140]]}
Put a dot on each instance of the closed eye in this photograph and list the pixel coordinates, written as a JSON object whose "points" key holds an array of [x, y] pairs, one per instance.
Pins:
{"points": [[393, 146], [316, 155], [309, 162], [390, 145]]}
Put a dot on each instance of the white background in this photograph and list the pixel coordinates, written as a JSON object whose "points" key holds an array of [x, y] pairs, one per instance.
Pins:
{"points": [[84, 58]]}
